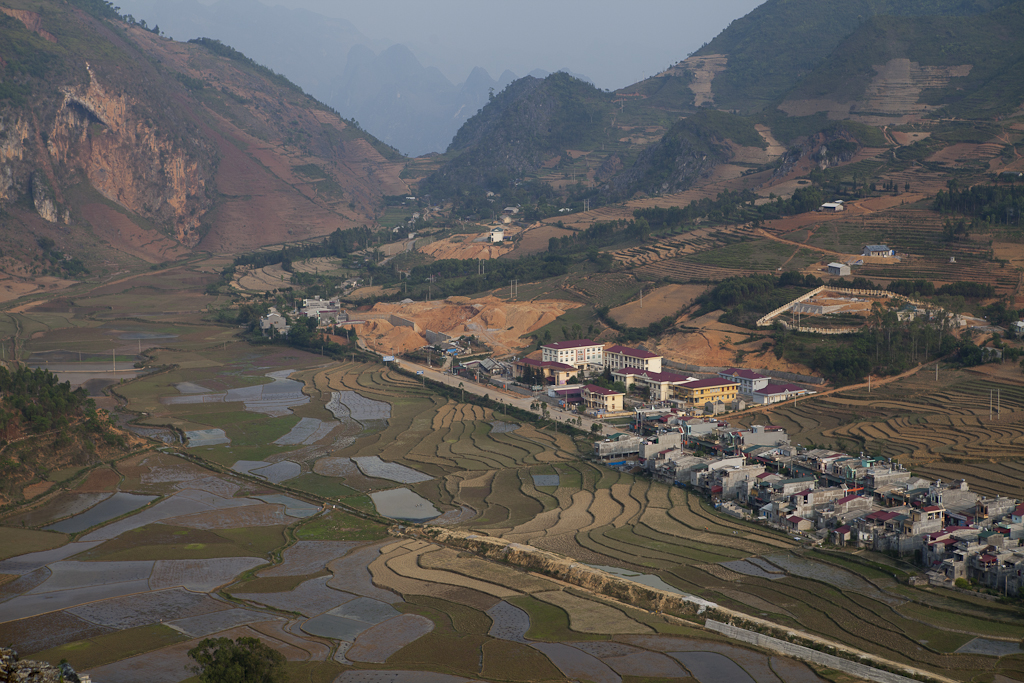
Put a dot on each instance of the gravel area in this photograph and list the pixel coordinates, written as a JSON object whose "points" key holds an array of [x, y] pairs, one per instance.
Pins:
{"points": [[376, 644], [373, 466], [308, 557], [148, 608], [508, 622]]}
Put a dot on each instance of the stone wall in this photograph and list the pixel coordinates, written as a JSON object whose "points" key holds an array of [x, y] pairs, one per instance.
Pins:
{"points": [[17, 670], [868, 673]]}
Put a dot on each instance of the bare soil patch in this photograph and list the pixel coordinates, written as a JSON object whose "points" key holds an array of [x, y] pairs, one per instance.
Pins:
{"points": [[657, 304], [122, 234]]}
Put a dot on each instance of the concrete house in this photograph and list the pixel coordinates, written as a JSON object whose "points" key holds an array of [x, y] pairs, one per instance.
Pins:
{"points": [[748, 380], [617, 357], [878, 250], [839, 269], [601, 399], [579, 353]]}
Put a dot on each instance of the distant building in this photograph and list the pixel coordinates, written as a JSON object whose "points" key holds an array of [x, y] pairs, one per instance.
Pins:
{"points": [[601, 399], [579, 353], [832, 207], [496, 235], [839, 269], [659, 384], [701, 391], [617, 357], [776, 393], [878, 250], [549, 371], [749, 380]]}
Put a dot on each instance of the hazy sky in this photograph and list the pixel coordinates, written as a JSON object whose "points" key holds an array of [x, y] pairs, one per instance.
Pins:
{"points": [[612, 42]]}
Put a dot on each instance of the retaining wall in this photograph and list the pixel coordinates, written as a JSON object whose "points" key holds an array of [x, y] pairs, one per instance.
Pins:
{"points": [[766, 320], [868, 673]]}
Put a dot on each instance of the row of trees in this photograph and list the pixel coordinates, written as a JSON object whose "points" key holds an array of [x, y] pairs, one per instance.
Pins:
{"points": [[994, 204]]}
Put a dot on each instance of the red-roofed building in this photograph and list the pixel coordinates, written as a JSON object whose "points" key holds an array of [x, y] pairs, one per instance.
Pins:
{"points": [[659, 384], [776, 393], [619, 357], [748, 380], [549, 372], [796, 523], [579, 353], [700, 391], [599, 398], [1017, 516]]}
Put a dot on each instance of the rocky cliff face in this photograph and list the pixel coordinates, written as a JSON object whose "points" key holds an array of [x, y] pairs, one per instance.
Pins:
{"points": [[26, 671], [99, 131]]}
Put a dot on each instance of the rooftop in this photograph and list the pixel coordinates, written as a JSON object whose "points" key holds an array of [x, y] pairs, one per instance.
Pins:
{"points": [[745, 374], [594, 389], [779, 389], [707, 383], [654, 376], [571, 344], [876, 247], [631, 352]]}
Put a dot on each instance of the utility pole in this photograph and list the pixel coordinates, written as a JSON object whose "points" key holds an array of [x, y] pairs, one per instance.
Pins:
{"points": [[989, 405], [113, 358]]}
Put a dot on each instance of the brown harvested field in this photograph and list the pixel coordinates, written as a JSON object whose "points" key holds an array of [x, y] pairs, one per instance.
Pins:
{"points": [[962, 153], [33, 490], [466, 247], [20, 541], [100, 480], [657, 304], [535, 238], [589, 616], [122, 234], [35, 634]]}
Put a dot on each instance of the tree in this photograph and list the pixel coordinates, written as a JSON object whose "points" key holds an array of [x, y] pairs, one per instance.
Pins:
{"points": [[246, 660]]}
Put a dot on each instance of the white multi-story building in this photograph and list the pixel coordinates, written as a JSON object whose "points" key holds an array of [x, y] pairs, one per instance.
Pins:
{"points": [[619, 357], [579, 353]]}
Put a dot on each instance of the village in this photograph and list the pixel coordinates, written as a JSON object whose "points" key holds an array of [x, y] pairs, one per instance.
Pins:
{"points": [[674, 428]]}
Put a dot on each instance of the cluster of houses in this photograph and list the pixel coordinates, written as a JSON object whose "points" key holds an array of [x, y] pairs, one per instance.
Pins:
{"points": [[833, 497], [326, 312], [563, 365]]}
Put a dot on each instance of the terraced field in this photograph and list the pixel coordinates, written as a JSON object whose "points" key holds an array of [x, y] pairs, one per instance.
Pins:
{"points": [[922, 422]]}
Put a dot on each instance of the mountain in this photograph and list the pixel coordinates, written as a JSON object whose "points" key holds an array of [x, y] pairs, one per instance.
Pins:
{"points": [[793, 67], [520, 129], [415, 108], [760, 56], [125, 147]]}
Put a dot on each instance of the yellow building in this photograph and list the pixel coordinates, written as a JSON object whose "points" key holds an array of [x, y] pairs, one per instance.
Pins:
{"points": [[599, 398], [701, 391]]}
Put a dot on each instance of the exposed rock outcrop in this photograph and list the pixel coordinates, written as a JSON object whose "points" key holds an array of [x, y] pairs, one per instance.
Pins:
{"points": [[17, 670]]}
